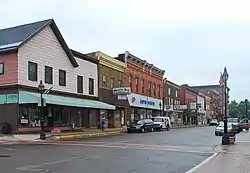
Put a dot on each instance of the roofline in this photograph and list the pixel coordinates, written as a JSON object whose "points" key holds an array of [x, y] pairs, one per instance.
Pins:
{"points": [[170, 82], [190, 89], [9, 50], [84, 56], [60, 38]]}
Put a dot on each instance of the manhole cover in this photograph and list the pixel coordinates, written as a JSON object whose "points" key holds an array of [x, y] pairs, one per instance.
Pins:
{"points": [[4, 156]]}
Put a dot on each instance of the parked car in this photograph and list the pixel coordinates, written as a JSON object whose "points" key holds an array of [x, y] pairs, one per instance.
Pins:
{"points": [[244, 124], [161, 123], [236, 123], [143, 125], [214, 122], [219, 129]]}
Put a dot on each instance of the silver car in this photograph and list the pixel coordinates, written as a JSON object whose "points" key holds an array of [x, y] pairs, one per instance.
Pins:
{"points": [[219, 130]]}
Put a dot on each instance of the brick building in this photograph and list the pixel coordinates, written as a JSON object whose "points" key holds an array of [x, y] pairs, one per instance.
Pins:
{"points": [[146, 82], [212, 104]]}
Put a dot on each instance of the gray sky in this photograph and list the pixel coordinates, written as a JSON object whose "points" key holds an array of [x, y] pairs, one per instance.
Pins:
{"points": [[191, 39]]}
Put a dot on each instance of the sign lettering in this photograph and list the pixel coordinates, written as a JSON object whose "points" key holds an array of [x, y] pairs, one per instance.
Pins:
{"points": [[147, 102]]}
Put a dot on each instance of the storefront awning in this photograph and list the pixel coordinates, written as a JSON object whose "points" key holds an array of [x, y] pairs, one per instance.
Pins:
{"points": [[30, 97]]}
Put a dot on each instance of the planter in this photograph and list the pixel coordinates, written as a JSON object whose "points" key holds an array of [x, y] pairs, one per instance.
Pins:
{"points": [[231, 138]]}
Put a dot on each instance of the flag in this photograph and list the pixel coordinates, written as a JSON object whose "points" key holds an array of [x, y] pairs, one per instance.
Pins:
{"points": [[48, 90], [221, 81]]}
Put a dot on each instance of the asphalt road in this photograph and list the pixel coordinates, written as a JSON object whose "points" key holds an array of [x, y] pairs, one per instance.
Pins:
{"points": [[175, 151]]}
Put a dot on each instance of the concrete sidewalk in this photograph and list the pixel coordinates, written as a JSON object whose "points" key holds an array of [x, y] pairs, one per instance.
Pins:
{"points": [[230, 159]]}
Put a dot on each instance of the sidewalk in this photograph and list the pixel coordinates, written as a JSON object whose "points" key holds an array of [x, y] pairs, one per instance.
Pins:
{"points": [[230, 159]]}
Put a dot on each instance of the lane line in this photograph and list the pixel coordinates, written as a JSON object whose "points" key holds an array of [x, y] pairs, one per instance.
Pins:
{"points": [[202, 163]]}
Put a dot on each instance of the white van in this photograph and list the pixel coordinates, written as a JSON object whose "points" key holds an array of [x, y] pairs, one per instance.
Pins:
{"points": [[161, 123]]}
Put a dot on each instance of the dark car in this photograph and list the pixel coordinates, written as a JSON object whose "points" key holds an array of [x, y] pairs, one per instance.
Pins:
{"points": [[143, 125]]}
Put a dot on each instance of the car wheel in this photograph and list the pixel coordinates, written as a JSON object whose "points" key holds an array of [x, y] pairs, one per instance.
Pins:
{"points": [[216, 134], [160, 129], [143, 130], [129, 131], [152, 129]]}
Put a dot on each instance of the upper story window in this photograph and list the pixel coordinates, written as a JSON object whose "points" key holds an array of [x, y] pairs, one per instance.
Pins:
{"points": [[48, 75], [169, 91], [32, 71], [137, 84], [112, 82], [154, 89], [159, 90], [1, 68], [62, 77], [130, 82], [104, 80], [142, 86], [91, 86], [119, 83], [176, 94], [79, 84], [149, 89]]}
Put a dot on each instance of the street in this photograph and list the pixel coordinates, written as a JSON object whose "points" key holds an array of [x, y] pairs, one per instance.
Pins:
{"points": [[175, 151]]}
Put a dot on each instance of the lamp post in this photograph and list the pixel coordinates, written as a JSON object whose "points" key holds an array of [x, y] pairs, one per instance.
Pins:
{"points": [[160, 108], [41, 89], [225, 137]]}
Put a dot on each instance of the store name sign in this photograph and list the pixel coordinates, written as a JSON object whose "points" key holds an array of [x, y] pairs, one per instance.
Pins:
{"points": [[147, 102], [121, 91]]}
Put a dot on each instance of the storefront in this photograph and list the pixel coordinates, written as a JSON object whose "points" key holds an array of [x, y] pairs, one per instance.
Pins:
{"points": [[175, 113], [23, 112], [143, 107]]}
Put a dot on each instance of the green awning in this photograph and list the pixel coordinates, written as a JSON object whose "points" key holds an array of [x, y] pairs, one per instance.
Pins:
{"points": [[30, 97]]}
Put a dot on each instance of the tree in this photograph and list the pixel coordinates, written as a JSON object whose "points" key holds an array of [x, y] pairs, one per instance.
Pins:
{"points": [[239, 109]]}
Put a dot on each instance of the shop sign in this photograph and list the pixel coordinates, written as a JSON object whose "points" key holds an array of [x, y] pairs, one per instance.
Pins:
{"points": [[121, 91], [141, 101], [193, 105], [180, 107]]}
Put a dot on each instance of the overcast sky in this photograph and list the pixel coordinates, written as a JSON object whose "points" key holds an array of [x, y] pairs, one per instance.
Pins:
{"points": [[192, 40]]}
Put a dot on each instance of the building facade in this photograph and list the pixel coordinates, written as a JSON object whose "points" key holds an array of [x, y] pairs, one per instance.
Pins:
{"points": [[212, 105], [201, 107], [146, 82], [38, 53], [222, 97], [173, 107], [111, 76], [188, 96]]}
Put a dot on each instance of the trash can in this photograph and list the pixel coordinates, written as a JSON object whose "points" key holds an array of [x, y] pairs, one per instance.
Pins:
{"points": [[5, 128]]}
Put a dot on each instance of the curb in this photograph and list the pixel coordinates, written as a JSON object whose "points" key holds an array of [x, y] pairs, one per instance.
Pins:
{"points": [[88, 135]]}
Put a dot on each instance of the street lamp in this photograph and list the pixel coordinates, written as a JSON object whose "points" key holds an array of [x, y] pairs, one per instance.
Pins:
{"points": [[225, 137], [160, 108], [41, 89]]}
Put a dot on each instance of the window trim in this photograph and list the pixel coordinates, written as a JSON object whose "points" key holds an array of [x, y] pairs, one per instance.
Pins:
{"points": [[142, 85], [79, 89], [104, 82], [51, 68], [112, 79], [93, 88], [154, 89], [65, 79], [36, 71], [2, 63], [119, 82], [136, 84]]}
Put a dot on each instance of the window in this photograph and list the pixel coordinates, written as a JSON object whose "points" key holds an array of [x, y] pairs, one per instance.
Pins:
{"points": [[91, 86], [32, 71], [169, 91], [136, 84], [62, 78], [104, 80], [119, 83], [159, 90], [112, 82], [130, 81], [142, 86], [1, 68], [176, 94], [149, 89], [48, 75], [79, 84], [169, 101], [154, 89]]}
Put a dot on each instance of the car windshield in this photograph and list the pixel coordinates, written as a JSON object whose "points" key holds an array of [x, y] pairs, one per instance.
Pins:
{"points": [[233, 120], [222, 125], [157, 119], [138, 122]]}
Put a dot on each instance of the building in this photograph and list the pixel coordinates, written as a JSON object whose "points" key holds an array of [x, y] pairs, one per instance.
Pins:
{"points": [[201, 107], [220, 90], [173, 105], [212, 104], [37, 52], [146, 82], [111, 76], [188, 96]]}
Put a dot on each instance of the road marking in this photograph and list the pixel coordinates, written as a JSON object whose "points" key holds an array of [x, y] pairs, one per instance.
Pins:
{"points": [[35, 167], [202, 163]]}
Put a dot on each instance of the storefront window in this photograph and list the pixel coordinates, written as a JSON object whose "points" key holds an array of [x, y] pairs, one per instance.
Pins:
{"points": [[29, 116], [61, 116], [93, 117]]}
